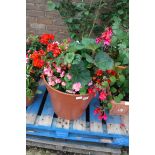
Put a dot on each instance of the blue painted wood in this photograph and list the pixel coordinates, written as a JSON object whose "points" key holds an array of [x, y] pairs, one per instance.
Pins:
{"points": [[79, 124], [48, 108], [37, 102], [94, 118], [93, 105], [71, 133], [49, 129], [75, 137], [113, 119]]}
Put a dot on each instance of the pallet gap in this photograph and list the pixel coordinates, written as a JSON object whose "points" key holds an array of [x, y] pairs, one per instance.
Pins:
{"points": [[103, 122], [55, 115], [87, 115], [42, 103]]}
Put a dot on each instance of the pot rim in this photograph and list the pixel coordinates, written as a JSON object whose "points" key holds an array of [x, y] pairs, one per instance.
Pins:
{"points": [[76, 95]]}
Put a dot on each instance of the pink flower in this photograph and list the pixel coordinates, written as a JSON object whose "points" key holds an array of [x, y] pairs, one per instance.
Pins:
{"points": [[90, 90], [102, 96], [57, 80], [62, 74], [51, 83], [105, 37], [98, 40], [104, 116], [76, 86], [58, 69], [28, 51], [90, 83], [69, 76], [100, 117], [63, 83], [107, 42], [97, 111], [48, 71]]}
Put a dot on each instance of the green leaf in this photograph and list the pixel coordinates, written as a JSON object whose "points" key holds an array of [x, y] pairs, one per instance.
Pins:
{"points": [[105, 84], [69, 20], [77, 59], [69, 58], [113, 89], [69, 85], [120, 96], [80, 74], [83, 90], [113, 80], [86, 13], [117, 99], [51, 5], [120, 12], [122, 78], [103, 61], [74, 46], [90, 44], [109, 105], [89, 58]]}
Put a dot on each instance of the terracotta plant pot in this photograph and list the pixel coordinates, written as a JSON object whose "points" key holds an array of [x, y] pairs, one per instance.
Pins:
{"points": [[121, 108], [68, 106], [29, 101]]}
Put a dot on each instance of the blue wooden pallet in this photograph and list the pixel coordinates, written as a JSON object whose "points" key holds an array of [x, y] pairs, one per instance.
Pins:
{"points": [[42, 122]]}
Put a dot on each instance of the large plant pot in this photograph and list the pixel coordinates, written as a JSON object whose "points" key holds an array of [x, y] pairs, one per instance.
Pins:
{"points": [[68, 106], [121, 108]]}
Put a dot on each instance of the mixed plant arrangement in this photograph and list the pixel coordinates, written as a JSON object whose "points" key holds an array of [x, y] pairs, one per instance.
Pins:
{"points": [[76, 67], [89, 66]]}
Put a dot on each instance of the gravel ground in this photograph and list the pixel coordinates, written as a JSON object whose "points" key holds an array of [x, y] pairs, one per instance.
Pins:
{"points": [[41, 151]]}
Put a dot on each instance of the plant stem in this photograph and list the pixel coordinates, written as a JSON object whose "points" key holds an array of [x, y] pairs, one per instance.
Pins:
{"points": [[95, 18]]}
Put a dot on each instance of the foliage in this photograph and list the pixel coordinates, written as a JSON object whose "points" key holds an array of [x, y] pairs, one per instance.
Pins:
{"points": [[33, 68], [79, 17]]}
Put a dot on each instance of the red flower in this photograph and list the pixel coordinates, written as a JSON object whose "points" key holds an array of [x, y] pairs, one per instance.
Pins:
{"points": [[97, 111], [109, 81], [100, 117], [46, 38], [99, 72], [98, 81], [53, 47], [112, 72], [35, 55], [41, 52], [90, 90], [38, 63], [102, 96]]}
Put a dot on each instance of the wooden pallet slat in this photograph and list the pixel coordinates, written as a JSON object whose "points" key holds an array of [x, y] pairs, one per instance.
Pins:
{"points": [[92, 130], [95, 123], [114, 125], [32, 110], [47, 114], [80, 124]]}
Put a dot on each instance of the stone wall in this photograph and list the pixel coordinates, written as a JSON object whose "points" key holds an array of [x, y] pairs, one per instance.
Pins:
{"points": [[39, 20]]}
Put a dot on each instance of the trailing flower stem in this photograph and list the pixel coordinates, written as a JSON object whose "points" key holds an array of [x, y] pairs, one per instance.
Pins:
{"points": [[95, 18]]}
